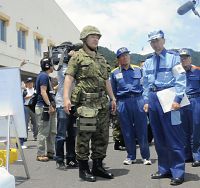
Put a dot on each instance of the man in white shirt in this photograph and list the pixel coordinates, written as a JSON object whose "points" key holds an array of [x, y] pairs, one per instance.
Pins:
{"points": [[29, 114]]}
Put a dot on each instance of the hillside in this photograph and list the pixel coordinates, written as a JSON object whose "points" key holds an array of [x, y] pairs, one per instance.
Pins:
{"points": [[136, 58]]}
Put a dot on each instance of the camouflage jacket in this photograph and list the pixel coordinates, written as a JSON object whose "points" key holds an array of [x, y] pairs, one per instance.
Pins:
{"points": [[90, 72]]}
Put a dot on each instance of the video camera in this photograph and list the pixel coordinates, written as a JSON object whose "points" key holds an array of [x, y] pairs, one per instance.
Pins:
{"points": [[59, 54]]}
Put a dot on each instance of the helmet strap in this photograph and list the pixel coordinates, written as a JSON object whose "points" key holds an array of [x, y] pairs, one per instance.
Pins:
{"points": [[86, 44]]}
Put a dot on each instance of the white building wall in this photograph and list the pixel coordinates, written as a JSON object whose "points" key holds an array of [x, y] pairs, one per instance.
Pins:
{"points": [[41, 16]]}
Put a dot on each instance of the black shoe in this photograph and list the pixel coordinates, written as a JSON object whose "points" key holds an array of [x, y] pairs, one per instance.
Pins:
{"points": [[116, 145], [176, 181], [87, 176], [119, 146], [50, 155], [196, 164], [158, 175], [72, 163], [190, 160], [98, 170], [61, 165], [84, 171]]}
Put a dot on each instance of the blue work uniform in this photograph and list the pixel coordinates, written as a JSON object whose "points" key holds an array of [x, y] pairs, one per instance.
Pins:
{"points": [[191, 114], [133, 120], [166, 127]]}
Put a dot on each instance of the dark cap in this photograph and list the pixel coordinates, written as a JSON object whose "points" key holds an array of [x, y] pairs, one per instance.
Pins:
{"points": [[29, 79], [121, 51], [184, 52]]}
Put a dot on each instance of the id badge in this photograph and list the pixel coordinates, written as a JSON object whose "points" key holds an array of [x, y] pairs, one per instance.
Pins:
{"points": [[119, 75]]}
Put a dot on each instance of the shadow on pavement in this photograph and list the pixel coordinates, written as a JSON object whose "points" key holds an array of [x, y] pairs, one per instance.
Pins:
{"points": [[32, 146], [115, 172], [191, 177], [19, 180], [119, 172]]}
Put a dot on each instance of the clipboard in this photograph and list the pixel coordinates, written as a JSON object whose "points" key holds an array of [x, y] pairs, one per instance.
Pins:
{"points": [[166, 98]]}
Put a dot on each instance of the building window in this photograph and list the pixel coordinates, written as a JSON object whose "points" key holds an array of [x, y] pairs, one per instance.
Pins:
{"points": [[22, 32], [3, 30], [38, 39], [4, 21], [37, 44], [21, 38]]}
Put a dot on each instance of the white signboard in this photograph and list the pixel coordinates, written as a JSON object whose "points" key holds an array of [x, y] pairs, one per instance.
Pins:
{"points": [[11, 102]]}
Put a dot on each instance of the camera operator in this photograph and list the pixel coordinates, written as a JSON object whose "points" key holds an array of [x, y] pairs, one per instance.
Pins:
{"points": [[45, 112], [66, 129]]}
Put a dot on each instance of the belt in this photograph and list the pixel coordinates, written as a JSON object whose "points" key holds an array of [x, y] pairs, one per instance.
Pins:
{"points": [[193, 96], [85, 96], [131, 95], [156, 89]]}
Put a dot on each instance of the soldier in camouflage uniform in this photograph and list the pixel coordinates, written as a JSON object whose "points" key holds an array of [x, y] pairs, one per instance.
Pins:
{"points": [[117, 133], [91, 73]]}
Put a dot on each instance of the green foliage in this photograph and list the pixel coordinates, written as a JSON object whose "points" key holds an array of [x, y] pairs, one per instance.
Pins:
{"points": [[137, 58], [195, 58], [109, 55]]}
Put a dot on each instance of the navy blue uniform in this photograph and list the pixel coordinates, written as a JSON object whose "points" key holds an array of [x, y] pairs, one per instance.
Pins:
{"points": [[166, 127], [191, 114], [133, 120]]}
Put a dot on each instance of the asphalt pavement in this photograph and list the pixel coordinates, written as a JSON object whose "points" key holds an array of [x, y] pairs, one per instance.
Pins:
{"points": [[46, 174]]}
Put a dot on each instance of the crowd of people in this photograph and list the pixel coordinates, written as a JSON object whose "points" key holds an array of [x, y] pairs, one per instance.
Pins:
{"points": [[75, 119]]}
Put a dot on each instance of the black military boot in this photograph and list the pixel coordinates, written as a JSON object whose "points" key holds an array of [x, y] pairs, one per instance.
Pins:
{"points": [[84, 171], [116, 145], [119, 146], [98, 170]]}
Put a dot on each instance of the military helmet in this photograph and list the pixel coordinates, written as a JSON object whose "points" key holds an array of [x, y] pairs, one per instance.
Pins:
{"points": [[89, 30]]}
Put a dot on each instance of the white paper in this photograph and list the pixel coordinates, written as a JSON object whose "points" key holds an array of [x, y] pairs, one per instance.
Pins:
{"points": [[166, 98]]}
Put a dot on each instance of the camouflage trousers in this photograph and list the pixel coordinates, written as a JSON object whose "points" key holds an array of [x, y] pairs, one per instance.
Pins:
{"points": [[117, 133], [99, 139], [46, 132]]}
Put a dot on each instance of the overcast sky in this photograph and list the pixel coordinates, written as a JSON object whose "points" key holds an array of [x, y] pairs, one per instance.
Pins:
{"points": [[128, 22]]}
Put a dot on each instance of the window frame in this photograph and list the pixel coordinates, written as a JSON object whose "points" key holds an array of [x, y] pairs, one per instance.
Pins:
{"points": [[21, 39], [22, 32], [38, 46], [3, 30], [38, 40], [5, 19]]}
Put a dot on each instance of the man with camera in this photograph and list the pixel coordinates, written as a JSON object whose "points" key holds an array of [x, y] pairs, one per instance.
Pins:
{"points": [[45, 112], [91, 73], [66, 123]]}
